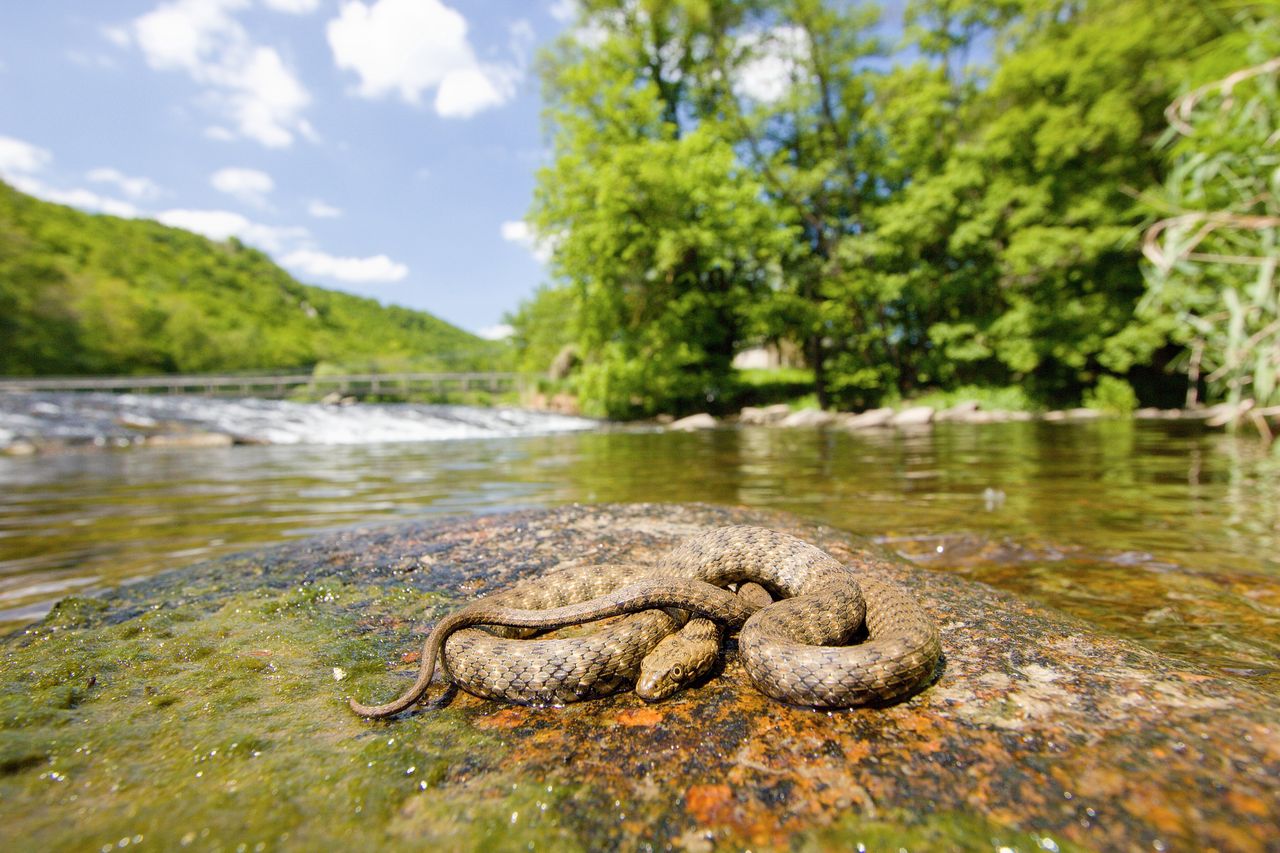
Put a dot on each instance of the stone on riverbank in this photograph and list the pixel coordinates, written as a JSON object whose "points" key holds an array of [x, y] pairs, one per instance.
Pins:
{"points": [[694, 422], [808, 418], [761, 416], [206, 708], [868, 419], [914, 416], [959, 412]]}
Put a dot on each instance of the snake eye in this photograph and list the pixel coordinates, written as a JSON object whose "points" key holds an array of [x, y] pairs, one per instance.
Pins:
{"points": [[677, 671]]}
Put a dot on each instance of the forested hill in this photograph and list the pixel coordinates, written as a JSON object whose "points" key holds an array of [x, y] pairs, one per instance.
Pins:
{"points": [[90, 294]]}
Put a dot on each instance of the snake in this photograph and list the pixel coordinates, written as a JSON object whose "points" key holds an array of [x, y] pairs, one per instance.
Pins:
{"points": [[837, 637]]}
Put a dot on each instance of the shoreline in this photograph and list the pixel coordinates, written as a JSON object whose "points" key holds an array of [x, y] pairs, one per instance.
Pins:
{"points": [[125, 430]]}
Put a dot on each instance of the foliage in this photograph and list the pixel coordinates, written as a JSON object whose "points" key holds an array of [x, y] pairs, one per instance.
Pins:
{"points": [[963, 217], [542, 327], [658, 230], [1008, 398], [759, 387], [1111, 394], [1211, 271], [85, 294], [1014, 245]]}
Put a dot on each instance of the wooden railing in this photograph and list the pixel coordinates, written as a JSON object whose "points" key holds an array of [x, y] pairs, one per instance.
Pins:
{"points": [[273, 385]]}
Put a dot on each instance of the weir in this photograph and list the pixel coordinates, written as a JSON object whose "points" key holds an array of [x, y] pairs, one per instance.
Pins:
{"points": [[271, 384]]}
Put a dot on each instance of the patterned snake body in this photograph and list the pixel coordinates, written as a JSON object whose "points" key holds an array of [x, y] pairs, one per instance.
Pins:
{"points": [[792, 650]]}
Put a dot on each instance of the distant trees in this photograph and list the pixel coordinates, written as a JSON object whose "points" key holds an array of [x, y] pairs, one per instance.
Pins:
{"points": [[730, 172], [96, 294]]}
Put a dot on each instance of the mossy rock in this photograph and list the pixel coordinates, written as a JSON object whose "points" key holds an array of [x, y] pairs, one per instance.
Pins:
{"points": [[205, 709]]}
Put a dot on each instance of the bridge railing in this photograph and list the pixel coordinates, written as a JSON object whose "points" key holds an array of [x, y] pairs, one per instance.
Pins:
{"points": [[273, 385]]}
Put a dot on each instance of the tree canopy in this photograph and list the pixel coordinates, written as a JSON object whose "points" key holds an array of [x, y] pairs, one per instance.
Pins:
{"points": [[955, 201]]}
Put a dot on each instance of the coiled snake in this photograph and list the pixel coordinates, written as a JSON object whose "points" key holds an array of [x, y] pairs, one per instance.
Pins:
{"points": [[793, 650]]}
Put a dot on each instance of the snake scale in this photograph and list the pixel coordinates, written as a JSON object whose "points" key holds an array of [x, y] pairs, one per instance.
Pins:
{"points": [[795, 650]]}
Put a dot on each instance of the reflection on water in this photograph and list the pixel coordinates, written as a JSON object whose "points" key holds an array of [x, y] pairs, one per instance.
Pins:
{"points": [[1157, 530]]}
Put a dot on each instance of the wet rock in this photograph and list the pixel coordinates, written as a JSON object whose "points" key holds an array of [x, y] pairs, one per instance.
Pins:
{"points": [[914, 416], [694, 422], [959, 412], [760, 416], [190, 439], [205, 707], [808, 418], [867, 419]]}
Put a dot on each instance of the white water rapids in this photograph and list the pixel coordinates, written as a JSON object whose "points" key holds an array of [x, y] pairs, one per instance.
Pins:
{"points": [[122, 419]]}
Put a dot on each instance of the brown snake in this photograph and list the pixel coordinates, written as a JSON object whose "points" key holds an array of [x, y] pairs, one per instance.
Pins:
{"points": [[793, 650]]}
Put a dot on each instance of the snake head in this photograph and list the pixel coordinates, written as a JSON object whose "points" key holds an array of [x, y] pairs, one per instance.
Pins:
{"points": [[672, 664]]}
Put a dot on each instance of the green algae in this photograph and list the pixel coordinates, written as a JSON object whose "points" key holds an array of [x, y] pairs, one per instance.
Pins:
{"points": [[231, 729]]}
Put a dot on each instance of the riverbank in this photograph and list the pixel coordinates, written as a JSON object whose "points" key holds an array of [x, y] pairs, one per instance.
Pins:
{"points": [[969, 412], [206, 708]]}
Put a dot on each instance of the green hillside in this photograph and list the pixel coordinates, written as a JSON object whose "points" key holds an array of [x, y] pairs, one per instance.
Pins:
{"points": [[88, 294]]}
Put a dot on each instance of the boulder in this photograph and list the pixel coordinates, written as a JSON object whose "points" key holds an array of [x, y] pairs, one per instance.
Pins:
{"points": [[205, 708], [959, 412], [914, 416], [867, 419], [808, 418], [189, 439], [694, 422], [759, 416]]}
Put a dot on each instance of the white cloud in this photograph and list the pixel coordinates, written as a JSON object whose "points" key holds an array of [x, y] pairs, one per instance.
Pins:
{"points": [[119, 36], [81, 198], [133, 187], [221, 224], [322, 210], [19, 161], [564, 11], [775, 60], [293, 7], [377, 268], [518, 231], [18, 157], [407, 47], [247, 83], [249, 186], [496, 333]]}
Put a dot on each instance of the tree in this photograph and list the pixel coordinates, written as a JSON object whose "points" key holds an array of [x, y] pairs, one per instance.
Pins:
{"points": [[660, 233]]}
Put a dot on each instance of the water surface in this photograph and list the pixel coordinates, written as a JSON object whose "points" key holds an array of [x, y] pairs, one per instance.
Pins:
{"points": [[1160, 531]]}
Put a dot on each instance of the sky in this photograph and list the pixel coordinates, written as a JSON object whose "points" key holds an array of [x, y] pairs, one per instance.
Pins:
{"points": [[383, 147]]}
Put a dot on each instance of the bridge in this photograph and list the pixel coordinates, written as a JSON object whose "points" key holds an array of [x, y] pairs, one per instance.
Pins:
{"points": [[276, 385]]}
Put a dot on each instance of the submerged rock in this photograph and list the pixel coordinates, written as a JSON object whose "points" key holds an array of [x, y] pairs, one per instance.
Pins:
{"points": [[206, 708]]}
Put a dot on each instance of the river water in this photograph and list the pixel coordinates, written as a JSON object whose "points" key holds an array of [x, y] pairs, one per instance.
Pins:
{"points": [[1160, 531]]}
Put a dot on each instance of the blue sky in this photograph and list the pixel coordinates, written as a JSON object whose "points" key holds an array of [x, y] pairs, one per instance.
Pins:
{"points": [[384, 147]]}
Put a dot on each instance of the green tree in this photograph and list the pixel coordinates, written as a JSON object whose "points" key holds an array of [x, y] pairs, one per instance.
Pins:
{"points": [[660, 233], [1017, 250]]}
